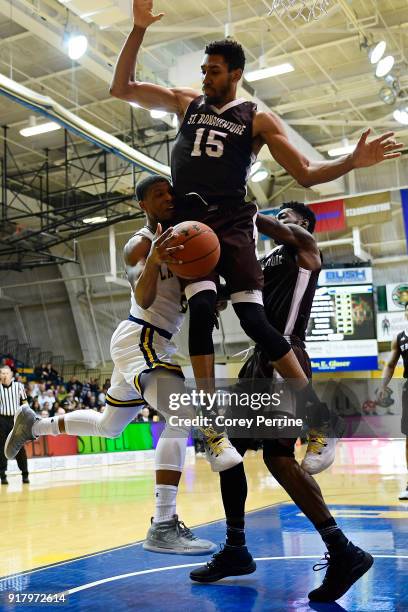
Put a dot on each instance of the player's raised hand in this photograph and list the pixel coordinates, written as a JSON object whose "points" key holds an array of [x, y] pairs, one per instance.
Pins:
{"points": [[370, 153], [143, 16], [161, 250]]}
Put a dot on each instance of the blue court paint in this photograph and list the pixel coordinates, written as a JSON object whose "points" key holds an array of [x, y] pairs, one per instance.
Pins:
{"points": [[282, 539]]}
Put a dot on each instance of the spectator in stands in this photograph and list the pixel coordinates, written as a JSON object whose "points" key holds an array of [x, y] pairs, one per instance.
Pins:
{"points": [[54, 408], [93, 405], [46, 406], [143, 416], [9, 361], [44, 414], [74, 385], [42, 398], [52, 373], [51, 397], [101, 398], [61, 393], [35, 405], [41, 373], [60, 411]]}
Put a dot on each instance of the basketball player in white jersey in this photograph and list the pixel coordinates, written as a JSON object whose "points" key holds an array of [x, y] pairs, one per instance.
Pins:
{"points": [[142, 350]]}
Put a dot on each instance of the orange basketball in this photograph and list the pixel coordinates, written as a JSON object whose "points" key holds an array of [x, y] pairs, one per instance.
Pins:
{"points": [[201, 249]]}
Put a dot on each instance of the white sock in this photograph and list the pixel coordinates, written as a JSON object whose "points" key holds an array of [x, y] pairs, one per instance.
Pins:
{"points": [[46, 427], [165, 502]]}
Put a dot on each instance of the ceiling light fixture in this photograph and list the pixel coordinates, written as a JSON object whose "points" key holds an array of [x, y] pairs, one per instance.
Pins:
{"points": [[401, 115], [255, 167], [259, 176], [384, 66], [376, 51], [77, 46], [42, 128], [388, 95], [265, 73], [94, 220], [157, 114], [344, 150]]}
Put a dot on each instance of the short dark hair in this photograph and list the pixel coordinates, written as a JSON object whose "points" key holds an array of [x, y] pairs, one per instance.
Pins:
{"points": [[303, 211], [231, 51], [144, 185]]}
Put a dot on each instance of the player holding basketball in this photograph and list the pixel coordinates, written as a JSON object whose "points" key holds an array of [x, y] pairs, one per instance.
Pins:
{"points": [[142, 350], [219, 138], [291, 272], [399, 348]]}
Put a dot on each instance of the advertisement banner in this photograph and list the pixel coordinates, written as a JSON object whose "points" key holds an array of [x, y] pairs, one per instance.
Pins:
{"points": [[389, 324], [345, 276], [397, 296], [374, 208], [330, 216], [343, 355]]}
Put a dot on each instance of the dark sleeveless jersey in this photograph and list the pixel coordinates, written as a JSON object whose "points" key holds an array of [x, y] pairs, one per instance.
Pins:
{"points": [[288, 291], [402, 340], [212, 154]]}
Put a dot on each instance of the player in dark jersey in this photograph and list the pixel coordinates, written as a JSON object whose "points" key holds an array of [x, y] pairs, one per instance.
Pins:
{"points": [[399, 348], [219, 138], [291, 271]]}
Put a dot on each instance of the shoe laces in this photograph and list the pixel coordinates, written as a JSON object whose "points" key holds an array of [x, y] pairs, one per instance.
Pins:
{"points": [[215, 441], [317, 441], [326, 562], [184, 531], [215, 559]]}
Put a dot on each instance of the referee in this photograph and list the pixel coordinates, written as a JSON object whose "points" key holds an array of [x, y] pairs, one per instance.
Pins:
{"points": [[12, 395]]}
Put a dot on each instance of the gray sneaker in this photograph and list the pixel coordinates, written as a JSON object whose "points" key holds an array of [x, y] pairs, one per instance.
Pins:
{"points": [[21, 433], [174, 538]]}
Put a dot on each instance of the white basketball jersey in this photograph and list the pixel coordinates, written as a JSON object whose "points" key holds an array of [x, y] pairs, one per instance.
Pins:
{"points": [[166, 310]]}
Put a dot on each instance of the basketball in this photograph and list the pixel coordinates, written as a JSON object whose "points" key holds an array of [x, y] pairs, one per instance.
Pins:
{"points": [[201, 249]]}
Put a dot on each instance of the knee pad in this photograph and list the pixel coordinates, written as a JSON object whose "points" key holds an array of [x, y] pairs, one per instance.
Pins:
{"points": [[202, 319], [255, 324]]}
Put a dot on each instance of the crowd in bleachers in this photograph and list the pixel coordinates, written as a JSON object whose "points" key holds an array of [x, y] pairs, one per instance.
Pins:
{"points": [[49, 395]]}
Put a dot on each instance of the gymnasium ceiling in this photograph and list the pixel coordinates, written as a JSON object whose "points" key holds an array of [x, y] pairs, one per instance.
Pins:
{"points": [[331, 95]]}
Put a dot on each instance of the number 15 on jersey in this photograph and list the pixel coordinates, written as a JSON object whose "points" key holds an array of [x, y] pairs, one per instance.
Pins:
{"points": [[213, 146]]}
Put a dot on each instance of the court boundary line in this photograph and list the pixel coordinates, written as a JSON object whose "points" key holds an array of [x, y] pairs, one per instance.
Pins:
{"points": [[122, 546], [140, 542], [96, 583]]}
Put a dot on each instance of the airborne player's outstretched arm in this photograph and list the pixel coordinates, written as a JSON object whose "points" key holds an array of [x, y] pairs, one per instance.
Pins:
{"points": [[143, 259], [269, 130], [294, 236], [148, 95]]}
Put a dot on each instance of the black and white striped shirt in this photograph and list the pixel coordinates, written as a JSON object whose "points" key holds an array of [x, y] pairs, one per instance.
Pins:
{"points": [[11, 397]]}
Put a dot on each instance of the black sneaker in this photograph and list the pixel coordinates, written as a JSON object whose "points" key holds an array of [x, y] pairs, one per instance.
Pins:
{"points": [[342, 572], [26, 480], [229, 561], [4, 480]]}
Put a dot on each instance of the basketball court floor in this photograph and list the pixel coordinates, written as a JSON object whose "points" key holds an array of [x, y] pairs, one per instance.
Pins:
{"points": [[79, 532]]}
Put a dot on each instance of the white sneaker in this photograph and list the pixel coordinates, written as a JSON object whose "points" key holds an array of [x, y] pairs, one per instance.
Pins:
{"points": [[403, 494], [320, 452], [220, 453], [174, 538]]}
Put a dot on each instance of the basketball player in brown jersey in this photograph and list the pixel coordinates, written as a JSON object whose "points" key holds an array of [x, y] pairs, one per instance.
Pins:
{"points": [[399, 348], [219, 138], [291, 272]]}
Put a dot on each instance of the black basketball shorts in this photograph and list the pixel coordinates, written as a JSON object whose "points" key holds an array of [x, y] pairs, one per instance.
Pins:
{"points": [[259, 366], [236, 231]]}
